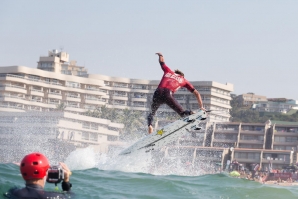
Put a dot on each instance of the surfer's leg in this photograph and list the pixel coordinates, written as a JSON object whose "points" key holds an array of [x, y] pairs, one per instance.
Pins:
{"points": [[156, 102], [173, 103]]}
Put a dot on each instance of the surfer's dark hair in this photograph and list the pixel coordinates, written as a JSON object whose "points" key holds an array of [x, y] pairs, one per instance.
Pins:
{"points": [[179, 72]]}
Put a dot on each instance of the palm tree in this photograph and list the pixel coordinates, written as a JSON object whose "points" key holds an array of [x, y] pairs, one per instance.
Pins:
{"points": [[133, 121], [60, 107]]}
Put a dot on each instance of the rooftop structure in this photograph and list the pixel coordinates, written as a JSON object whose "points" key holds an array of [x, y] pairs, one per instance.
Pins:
{"points": [[58, 62], [249, 99]]}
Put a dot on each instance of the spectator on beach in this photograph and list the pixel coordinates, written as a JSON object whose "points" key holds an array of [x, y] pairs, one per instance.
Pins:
{"points": [[34, 169], [289, 180]]}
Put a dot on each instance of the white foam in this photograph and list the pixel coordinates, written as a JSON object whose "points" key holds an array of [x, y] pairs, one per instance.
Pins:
{"points": [[82, 159]]}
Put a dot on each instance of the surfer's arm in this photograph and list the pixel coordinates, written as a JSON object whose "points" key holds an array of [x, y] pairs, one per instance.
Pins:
{"points": [[161, 60], [199, 99]]}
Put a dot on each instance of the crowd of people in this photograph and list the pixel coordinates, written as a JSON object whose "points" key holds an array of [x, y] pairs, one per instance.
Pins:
{"points": [[286, 176]]}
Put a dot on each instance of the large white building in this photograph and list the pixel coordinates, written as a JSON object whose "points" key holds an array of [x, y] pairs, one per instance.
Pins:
{"points": [[58, 80]]}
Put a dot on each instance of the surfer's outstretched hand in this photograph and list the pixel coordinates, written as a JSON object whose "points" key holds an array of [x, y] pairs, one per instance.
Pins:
{"points": [[159, 54]]}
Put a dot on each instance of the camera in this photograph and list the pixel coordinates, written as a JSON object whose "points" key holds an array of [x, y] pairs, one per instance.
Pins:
{"points": [[55, 174]]}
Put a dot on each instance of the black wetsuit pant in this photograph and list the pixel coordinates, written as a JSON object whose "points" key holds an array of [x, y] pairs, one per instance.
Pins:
{"points": [[164, 96]]}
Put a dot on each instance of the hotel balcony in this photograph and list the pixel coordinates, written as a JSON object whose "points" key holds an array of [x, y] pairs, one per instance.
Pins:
{"points": [[221, 140], [12, 88], [93, 91], [95, 101], [74, 108], [15, 99], [193, 142], [140, 87], [73, 88], [12, 108], [120, 97], [22, 79], [139, 108], [73, 98], [55, 95], [55, 103], [226, 131], [251, 141], [285, 143], [220, 104], [286, 133], [39, 93], [221, 95], [139, 99], [250, 132], [117, 105]]}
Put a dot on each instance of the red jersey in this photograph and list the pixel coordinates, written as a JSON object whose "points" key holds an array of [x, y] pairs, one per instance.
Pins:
{"points": [[173, 81]]}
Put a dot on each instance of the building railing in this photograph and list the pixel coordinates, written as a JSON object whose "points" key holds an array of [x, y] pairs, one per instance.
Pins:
{"points": [[72, 86], [118, 104], [96, 99], [12, 96], [135, 87], [73, 96], [94, 127], [72, 106], [13, 86], [55, 103], [8, 106], [53, 93], [119, 95], [36, 90], [120, 86], [139, 105], [140, 96], [30, 79], [35, 100], [92, 89]]}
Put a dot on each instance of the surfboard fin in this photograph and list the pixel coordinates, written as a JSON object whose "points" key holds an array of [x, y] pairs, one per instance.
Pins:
{"points": [[191, 120], [198, 128]]}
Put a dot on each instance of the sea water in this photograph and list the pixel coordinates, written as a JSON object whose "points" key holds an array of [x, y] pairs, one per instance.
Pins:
{"points": [[103, 176]]}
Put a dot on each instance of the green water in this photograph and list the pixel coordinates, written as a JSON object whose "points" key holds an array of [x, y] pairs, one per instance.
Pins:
{"points": [[96, 183]]}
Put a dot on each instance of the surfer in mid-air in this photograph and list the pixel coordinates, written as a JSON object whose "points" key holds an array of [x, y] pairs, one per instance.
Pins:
{"points": [[169, 84]]}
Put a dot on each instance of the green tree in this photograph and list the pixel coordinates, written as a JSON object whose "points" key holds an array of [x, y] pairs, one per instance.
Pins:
{"points": [[60, 107], [133, 121], [248, 115]]}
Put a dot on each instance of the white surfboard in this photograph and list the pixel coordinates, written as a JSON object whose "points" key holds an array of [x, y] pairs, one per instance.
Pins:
{"points": [[167, 134]]}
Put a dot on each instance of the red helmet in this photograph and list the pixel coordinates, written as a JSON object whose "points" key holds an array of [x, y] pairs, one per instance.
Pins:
{"points": [[34, 166]]}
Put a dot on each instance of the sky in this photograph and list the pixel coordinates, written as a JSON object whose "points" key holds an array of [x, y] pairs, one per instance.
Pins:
{"points": [[250, 44]]}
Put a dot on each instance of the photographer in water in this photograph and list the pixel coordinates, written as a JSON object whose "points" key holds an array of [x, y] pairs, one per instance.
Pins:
{"points": [[36, 170]]}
